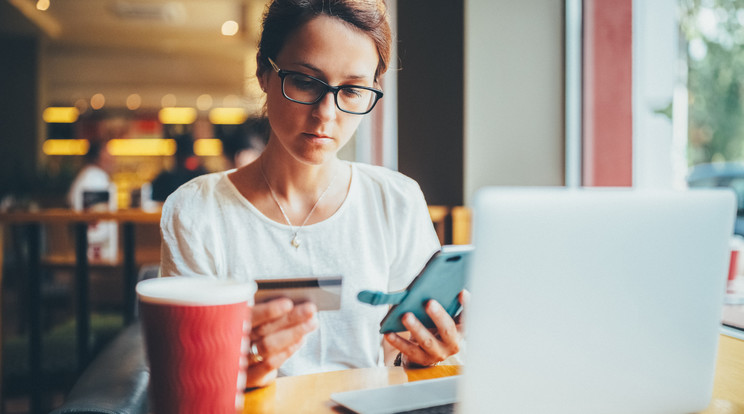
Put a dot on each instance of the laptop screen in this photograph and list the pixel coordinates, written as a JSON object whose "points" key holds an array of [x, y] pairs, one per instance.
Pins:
{"points": [[595, 300]]}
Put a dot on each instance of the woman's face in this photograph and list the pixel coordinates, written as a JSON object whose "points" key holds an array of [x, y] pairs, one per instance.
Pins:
{"points": [[335, 52]]}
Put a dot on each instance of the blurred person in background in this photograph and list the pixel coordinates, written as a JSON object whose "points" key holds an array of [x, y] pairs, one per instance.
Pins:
{"points": [[93, 189], [187, 167], [95, 174], [246, 144]]}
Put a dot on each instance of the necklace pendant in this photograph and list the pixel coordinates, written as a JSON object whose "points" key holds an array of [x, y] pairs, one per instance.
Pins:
{"points": [[295, 241]]}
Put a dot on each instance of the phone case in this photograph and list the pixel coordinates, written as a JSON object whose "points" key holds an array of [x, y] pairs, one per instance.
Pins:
{"points": [[442, 279]]}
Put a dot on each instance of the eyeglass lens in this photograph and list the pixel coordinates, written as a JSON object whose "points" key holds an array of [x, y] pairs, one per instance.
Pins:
{"points": [[305, 89]]}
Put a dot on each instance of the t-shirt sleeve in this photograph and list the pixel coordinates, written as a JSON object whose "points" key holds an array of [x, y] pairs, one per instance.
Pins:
{"points": [[182, 228], [417, 239]]}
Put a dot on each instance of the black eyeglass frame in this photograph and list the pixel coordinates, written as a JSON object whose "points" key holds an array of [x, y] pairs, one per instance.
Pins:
{"points": [[334, 89]]}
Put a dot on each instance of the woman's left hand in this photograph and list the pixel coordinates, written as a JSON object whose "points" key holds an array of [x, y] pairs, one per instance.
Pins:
{"points": [[427, 347]]}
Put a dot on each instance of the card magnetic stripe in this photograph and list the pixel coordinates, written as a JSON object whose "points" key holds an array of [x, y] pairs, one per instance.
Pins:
{"points": [[280, 284]]}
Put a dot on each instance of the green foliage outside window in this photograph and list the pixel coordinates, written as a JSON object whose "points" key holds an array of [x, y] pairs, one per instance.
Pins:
{"points": [[714, 30]]}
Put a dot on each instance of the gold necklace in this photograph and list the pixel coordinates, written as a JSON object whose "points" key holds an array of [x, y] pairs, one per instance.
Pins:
{"points": [[295, 239]]}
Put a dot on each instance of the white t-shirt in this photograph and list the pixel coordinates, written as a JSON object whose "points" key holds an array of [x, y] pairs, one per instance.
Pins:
{"points": [[379, 239]]}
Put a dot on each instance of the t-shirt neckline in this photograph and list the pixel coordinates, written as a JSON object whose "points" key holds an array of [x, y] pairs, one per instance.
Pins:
{"points": [[246, 203]]}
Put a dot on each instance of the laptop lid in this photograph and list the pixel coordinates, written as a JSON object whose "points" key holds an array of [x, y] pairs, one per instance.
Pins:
{"points": [[595, 300]]}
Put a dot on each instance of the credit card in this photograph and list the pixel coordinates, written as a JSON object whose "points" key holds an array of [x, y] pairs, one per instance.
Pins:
{"points": [[323, 291]]}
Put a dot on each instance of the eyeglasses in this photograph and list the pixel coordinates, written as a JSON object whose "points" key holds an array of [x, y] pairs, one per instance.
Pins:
{"points": [[307, 90]]}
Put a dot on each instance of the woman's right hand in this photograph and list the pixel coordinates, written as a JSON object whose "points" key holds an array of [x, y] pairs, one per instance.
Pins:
{"points": [[278, 328]]}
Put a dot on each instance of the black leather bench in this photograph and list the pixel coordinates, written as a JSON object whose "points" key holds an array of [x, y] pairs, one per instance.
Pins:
{"points": [[115, 382]]}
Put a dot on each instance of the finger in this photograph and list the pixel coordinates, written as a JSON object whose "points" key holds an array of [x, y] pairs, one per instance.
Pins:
{"points": [[446, 327], [263, 373], [267, 311], [464, 298], [412, 351], [259, 375], [297, 315], [276, 359], [401, 344], [427, 342], [279, 342]]}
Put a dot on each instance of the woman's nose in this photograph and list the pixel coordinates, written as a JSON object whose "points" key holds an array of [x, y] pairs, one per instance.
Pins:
{"points": [[325, 109]]}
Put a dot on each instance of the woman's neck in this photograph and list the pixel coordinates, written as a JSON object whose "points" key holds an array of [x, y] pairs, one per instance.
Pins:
{"points": [[289, 177], [298, 188]]}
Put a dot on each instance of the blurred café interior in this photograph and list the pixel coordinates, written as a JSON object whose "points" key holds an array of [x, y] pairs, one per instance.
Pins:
{"points": [[481, 92]]}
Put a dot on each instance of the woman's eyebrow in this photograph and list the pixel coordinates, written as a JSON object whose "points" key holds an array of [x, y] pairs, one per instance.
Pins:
{"points": [[318, 71]]}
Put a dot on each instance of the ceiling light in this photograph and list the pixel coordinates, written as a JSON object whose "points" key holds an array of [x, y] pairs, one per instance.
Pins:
{"points": [[134, 101], [206, 147], [177, 116], [82, 105], [65, 147], [42, 5], [141, 147], [60, 114], [167, 12], [230, 28], [204, 102], [227, 116], [168, 100], [97, 101]]}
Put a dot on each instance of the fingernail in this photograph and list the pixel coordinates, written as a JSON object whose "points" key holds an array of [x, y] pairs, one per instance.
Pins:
{"points": [[286, 304], [307, 308], [409, 317], [311, 325]]}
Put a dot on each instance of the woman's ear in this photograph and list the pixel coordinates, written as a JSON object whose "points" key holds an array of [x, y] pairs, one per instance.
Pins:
{"points": [[261, 73]]}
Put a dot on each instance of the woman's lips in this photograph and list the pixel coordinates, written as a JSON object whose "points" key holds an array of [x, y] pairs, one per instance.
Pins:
{"points": [[316, 136]]}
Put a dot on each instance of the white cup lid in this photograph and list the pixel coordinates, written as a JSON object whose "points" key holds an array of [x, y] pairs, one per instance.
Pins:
{"points": [[195, 291]]}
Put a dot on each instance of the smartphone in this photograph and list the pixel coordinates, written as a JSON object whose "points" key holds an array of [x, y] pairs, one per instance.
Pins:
{"points": [[442, 279]]}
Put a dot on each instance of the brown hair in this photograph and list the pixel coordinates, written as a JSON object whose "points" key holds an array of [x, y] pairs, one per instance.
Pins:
{"points": [[282, 17]]}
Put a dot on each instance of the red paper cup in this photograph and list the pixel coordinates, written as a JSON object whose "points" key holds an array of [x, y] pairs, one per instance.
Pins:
{"points": [[193, 328]]}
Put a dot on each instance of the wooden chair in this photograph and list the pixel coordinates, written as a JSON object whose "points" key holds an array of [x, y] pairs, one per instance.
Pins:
{"points": [[461, 223], [439, 219], [452, 224]]}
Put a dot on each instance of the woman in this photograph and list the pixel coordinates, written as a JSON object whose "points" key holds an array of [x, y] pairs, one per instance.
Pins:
{"points": [[299, 210]]}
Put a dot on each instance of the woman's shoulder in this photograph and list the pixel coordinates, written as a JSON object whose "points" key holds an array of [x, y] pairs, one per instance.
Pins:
{"points": [[391, 188], [198, 193], [385, 177], [204, 185]]}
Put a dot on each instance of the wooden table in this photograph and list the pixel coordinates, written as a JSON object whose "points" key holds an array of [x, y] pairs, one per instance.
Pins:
{"points": [[311, 393], [728, 386], [31, 223]]}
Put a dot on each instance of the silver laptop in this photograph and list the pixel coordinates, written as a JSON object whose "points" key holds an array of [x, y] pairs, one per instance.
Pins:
{"points": [[595, 300], [416, 396], [585, 301]]}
